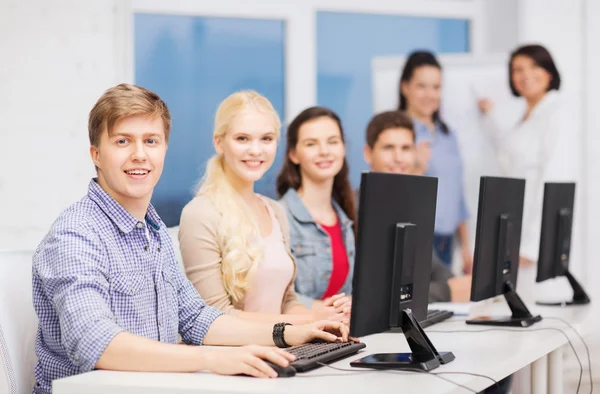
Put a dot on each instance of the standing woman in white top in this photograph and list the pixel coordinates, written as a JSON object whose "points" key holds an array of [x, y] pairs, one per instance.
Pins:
{"points": [[541, 146]]}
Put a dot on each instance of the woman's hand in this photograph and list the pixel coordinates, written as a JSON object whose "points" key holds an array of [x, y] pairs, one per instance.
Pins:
{"points": [[467, 262], [336, 308], [460, 288], [485, 105], [525, 262], [423, 156], [330, 331]]}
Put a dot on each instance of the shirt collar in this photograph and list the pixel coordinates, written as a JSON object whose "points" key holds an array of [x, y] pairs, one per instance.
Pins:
{"points": [[549, 98], [299, 211], [418, 124], [124, 220]]}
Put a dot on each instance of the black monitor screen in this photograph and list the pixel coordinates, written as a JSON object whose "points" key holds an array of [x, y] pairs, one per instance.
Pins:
{"points": [[555, 237], [387, 200], [498, 236]]}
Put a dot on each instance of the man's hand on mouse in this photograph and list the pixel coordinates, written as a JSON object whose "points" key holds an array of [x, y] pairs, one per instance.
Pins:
{"points": [[247, 360]]}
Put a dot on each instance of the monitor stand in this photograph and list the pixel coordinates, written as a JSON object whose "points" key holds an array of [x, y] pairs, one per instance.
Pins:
{"points": [[580, 297], [423, 356], [521, 317]]}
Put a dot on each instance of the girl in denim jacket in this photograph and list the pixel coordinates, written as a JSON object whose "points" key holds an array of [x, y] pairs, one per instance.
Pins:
{"points": [[319, 201]]}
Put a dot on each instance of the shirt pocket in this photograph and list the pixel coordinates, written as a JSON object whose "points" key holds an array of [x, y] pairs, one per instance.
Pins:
{"points": [[128, 283], [132, 300], [303, 249]]}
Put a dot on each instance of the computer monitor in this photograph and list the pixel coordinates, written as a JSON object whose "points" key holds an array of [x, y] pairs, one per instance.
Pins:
{"points": [[497, 242], [393, 266], [555, 240]]}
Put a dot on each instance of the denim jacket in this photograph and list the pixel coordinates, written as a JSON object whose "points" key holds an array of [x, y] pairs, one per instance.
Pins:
{"points": [[311, 247]]}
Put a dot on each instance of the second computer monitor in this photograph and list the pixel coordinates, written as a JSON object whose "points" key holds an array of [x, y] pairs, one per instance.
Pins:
{"points": [[392, 270], [386, 201], [497, 243]]}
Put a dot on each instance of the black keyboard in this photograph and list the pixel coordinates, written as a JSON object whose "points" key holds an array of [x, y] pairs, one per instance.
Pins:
{"points": [[309, 355], [435, 316]]}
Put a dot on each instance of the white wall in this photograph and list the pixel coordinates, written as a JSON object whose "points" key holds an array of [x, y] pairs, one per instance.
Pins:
{"points": [[501, 25], [59, 55], [591, 140], [57, 58], [557, 24]]}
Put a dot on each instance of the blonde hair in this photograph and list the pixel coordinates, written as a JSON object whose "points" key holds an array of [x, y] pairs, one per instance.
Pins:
{"points": [[238, 230], [122, 101]]}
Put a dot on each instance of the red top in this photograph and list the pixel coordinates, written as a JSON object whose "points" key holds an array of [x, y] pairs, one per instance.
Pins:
{"points": [[340, 269]]}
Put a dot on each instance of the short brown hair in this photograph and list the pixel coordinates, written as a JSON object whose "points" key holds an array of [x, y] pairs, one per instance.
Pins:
{"points": [[388, 120], [122, 101]]}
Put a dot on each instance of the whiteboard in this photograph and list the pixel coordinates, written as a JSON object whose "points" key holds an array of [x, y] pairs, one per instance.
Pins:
{"points": [[465, 79]]}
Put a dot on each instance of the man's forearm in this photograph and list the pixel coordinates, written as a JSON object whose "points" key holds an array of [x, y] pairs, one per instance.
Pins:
{"points": [[298, 314], [239, 330], [463, 236], [128, 352]]}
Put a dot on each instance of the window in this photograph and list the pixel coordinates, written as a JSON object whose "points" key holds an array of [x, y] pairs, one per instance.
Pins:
{"points": [[193, 63]]}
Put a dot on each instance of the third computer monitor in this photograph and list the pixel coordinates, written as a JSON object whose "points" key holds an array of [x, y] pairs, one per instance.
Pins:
{"points": [[497, 242], [555, 239]]}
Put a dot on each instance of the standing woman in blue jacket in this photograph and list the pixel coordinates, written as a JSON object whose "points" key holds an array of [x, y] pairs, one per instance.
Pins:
{"points": [[437, 153], [319, 201]]}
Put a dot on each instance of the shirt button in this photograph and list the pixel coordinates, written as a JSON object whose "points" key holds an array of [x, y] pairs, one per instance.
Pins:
{"points": [[158, 249], [146, 247], [139, 225]]}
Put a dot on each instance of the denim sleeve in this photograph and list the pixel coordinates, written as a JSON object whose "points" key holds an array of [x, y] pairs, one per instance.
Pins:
{"points": [[72, 273]]}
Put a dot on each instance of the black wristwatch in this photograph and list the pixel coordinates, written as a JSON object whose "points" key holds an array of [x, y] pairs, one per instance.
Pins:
{"points": [[278, 330]]}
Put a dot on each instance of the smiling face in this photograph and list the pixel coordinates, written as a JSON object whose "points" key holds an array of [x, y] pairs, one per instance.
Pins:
{"points": [[320, 150], [529, 79], [249, 146], [130, 159], [394, 152], [423, 91]]}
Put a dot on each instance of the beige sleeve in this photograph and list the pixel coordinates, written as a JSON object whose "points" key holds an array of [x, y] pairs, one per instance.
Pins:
{"points": [[290, 299], [201, 252]]}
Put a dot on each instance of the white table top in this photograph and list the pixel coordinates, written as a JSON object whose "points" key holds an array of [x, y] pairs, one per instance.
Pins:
{"points": [[496, 354]]}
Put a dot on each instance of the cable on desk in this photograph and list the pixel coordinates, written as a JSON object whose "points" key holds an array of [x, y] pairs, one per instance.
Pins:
{"points": [[436, 374], [587, 349], [524, 330], [496, 383]]}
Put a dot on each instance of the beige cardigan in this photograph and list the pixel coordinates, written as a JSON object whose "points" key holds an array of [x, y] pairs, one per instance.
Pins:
{"points": [[202, 256]]}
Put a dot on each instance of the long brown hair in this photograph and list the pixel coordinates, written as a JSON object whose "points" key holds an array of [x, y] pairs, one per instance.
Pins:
{"points": [[416, 60], [290, 177]]}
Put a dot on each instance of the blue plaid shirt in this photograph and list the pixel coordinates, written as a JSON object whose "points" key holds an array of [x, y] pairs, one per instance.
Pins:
{"points": [[99, 271]]}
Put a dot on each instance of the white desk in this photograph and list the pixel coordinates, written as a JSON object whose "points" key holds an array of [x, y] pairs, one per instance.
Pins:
{"points": [[496, 354]]}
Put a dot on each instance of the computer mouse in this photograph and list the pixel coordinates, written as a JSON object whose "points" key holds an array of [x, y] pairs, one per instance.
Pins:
{"points": [[282, 372]]}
